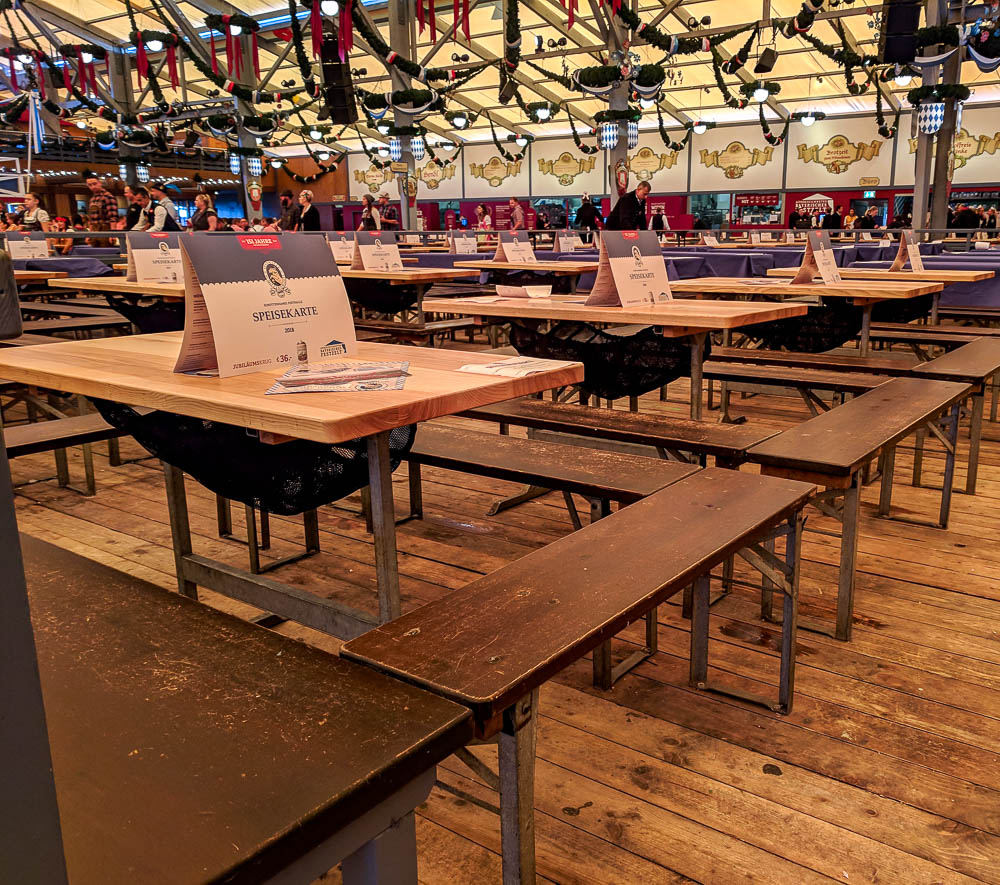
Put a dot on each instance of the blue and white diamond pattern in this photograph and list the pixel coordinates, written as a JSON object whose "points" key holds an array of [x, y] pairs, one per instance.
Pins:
{"points": [[930, 116]]}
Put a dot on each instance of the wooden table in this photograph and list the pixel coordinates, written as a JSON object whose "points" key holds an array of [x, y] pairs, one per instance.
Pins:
{"points": [[858, 292], [690, 319], [138, 370], [906, 276], [38, 276]]}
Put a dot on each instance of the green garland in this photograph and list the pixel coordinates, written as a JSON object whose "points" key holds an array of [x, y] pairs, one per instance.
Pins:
{"points": [[727, 96], [648, 76], [531, 109], [742, 56], [512, 35], [566, 82], [946, 35], [628, 115], [884, 129], [298, 44], [373, 159], [769, 136], [941, 92], [599, 76], [73, 50], [377, 101], [219, 23], [588, 149], [748, 89], [668, 142], [507, 155]]}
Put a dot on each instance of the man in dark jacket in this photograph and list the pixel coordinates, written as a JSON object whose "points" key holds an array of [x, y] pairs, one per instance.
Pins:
{"points": [[630, 211], [965, 218], [834, 220]]}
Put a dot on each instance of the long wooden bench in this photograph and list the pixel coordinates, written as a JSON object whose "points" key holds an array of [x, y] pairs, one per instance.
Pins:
{"points": [[804, 381], [27, 340], [599, 476], [63, 310], [491, 645], [835, 362], [975, 364], [833, 448], [76, 324], [726, 443], [190, 746], [59, 434], [983, 314]]}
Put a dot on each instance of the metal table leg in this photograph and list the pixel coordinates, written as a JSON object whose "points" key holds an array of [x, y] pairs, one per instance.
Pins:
{"points": [[935, 305], [697, 344], [31, 847], [975, 437], [866, 330], [848, 558], [180, 527], [383, 526], [516, 757]]}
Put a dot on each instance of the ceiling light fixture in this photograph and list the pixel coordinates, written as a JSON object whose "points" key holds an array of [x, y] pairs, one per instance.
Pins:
{"points": [[699, 128], [154, 45], [329, 7], [761, 94]]}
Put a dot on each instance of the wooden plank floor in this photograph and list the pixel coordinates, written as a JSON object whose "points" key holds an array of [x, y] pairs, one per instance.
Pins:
{"points": [[888, 771]]}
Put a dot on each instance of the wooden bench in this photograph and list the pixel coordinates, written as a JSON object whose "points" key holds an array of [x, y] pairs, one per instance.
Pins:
{"points": [[425, 332], [76, 324], [836, 362], [192, 746], [43, 309], [832, 449], [975, 364], [984, 315], [804, 381], [59, 434], [491, 645], [678, 437], [26, 340], [601, 477]]}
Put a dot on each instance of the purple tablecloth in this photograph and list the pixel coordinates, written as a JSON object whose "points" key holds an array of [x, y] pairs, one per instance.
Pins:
{"points": [[982, 293], [93, 251], [74, 267]]}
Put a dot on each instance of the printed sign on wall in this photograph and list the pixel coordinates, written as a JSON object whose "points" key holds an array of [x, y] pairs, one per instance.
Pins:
{"points": [[734, 156], [560, 169], [665, 169], [837, 152], [261, 301], [487, 174]]}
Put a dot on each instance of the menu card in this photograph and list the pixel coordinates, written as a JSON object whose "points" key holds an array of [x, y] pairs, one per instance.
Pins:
{"points": [[818, 259], [27, 244], [754, 238], [766, 236], [866, 236], [515, 247], [462, 243], [261, 301], [514, 366], [909, 250], [376, 250], [567, 241], [153, 258], [710, 239], [630, 271], [342, 246], [524, 291]]}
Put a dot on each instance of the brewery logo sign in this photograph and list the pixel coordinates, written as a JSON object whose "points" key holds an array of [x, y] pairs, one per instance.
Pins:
{"points": [[645, 162], [839, 152], [495, 171], [565, 168], [736, 158]]}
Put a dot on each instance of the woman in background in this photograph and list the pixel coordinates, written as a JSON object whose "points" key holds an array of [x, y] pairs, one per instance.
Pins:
{"points": [[309, 219], [32, 217], [483, 219], [205, 217], [370, 218], [60, 245]]}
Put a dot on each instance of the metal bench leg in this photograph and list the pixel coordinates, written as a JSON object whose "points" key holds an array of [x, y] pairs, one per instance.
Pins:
{"points": [[885, 491], [848, 559], [789, 622], [62, 468], [114, 453], [918, 455], [633, 404], [698, 666], [416, 490], [390, 857], [975, 438], [88, 469], [252, 544], [995, 400], [767, 588], [180, 526], [224, 517], [606, 675], [951, 449], [528, 493], [516, 757], [366, 507]]}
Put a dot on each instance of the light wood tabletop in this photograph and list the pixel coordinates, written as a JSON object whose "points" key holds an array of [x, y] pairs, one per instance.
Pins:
{"points": [[678, 317], [38, 276], [138, 370], [175, 291], [873, 273], [859, 291], [559, 268]]}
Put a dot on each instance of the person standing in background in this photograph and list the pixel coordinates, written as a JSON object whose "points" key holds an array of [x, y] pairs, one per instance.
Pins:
{"points": [[629, 212], [158, 192], [388, 213], [32, 216], [290, 212], [102, 210], [60, 245], [588, 218], [516, 214], [205, 217], [371, 218], [152, 217], [483, 219], [308, 214], [133, 209], [834, 220]]}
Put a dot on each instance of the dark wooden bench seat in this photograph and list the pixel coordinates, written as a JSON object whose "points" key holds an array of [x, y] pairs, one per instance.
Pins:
{"points": [[63, 310], [188, 745], [76, 324], [57, 435], [961, 313], [932, 330], [600, 476], [727, 443], [837, 362], [26, 340], [491, 645], [832, 449], [919, 337], [975, 364], [803, 380]]}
